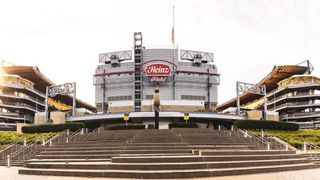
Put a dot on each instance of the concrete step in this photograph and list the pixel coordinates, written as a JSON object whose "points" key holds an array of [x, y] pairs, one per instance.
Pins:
{"points": [[149, 147], [128, 151], [116, 148], [105, 156], [87, 145], [194, 158], [66, 160], [157, 144], [241, 152], [101, 144], [219, 147], [161, 174], [161, 166]]}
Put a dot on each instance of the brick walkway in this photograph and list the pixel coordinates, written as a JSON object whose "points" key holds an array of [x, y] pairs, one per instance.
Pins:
{"points": [[313, 174]]}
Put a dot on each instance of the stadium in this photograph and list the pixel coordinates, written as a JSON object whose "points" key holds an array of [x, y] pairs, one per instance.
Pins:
{"points": [[125, 81], [157, 116]]}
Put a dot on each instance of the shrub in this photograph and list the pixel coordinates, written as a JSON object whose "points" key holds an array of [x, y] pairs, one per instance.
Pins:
{"points": [[45, 128], [9, 137], [182, 125], [270, 125], [125, 126]]}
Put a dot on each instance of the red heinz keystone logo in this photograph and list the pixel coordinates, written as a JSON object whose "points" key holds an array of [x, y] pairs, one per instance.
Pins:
{"points": [[158, 70]]}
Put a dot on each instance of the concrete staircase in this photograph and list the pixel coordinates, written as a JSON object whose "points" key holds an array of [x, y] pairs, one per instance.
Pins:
{"points": [[154, 154]]}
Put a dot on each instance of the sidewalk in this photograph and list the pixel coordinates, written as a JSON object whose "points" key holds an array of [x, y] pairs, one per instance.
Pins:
{"points": [[312, 174]]}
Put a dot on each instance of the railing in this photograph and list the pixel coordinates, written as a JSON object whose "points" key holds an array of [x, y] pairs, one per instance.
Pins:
{"points": [[258, 141], [300, 114], [19, 105], [298, 95], [17, 117], [224, 131], [74, 137], [275, 143], [277, 98], [27, 151], [311, 149], [24, 97], [293, 104], [12, 147], [30, 150], [19, 86]]}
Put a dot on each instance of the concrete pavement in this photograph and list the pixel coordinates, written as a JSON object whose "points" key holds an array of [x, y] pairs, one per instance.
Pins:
{"points": [[311, 174]]}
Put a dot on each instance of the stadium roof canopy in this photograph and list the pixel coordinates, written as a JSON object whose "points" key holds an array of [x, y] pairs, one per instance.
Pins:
{"points": [[41, 81], [277, 74]]}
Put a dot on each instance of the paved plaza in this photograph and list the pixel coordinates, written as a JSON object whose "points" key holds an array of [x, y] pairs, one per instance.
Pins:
{"points": [[311, 174]]}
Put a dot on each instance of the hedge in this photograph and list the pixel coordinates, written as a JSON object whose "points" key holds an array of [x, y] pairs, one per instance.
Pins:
{"points": [[182, 125], [270, 125], [224, 122], [45, 128], [125, 126]]}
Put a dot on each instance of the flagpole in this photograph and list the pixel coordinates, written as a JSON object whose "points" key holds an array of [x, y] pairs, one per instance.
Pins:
{"points": [[173, 48]]}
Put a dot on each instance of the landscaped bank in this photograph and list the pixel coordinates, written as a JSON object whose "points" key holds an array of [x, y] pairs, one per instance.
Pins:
{"points": [[296, 138], [9, 137]]}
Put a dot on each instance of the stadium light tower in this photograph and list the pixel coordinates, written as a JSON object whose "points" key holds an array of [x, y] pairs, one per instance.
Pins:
{"points": [[254, 89]]}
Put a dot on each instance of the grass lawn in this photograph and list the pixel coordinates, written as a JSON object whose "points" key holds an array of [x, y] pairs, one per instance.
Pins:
{"points": [[296, 138]]}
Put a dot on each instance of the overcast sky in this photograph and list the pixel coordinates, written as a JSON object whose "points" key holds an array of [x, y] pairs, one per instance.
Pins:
{"points": [[248, 37]]}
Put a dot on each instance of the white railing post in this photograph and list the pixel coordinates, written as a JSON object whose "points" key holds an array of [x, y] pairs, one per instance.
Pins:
{"points": [[68, 132], [245, 133], [219, 127], [304, 147], [287, 147], [268, 146], [82, 131], [50, 143], [231, 128], [87, 130], [25, 142], [8, 161], [67, 140], [42, 141], [262, 134]]}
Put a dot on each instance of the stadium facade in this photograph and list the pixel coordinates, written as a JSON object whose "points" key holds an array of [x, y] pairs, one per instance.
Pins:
{"points": [[19, 101], [292, 92], [297, 99], [125, 81], [22, 97]]}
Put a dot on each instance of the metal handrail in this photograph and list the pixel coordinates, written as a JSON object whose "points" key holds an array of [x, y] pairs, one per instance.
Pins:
{"points": [[224, 130], [73, 137], [31, 149], [274, 143], [11, 144], [261, 143], [96, 130], [51, 140], [23, 148], [308, 146], [12, 147]]}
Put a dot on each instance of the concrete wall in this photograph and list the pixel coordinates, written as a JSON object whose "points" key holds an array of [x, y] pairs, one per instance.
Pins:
{"points": [[58, 117], [20, 125], [39, 118], [258, 115]]}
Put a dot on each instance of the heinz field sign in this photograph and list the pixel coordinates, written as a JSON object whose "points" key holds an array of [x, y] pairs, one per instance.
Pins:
{"points": [[159, 70]]}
